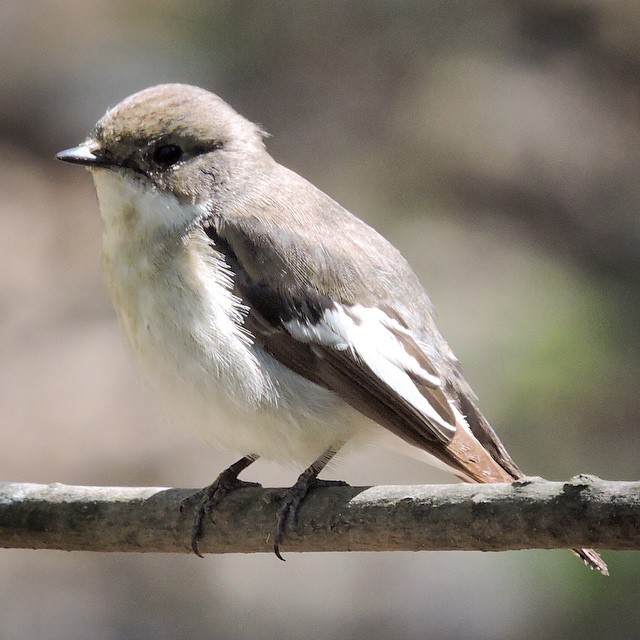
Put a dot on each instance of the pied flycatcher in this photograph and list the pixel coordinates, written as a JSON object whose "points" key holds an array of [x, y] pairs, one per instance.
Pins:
{"points": [[240, 286]]}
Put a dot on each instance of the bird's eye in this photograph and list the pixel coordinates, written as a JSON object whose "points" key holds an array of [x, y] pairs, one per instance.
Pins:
{"points": [[167, 154]]}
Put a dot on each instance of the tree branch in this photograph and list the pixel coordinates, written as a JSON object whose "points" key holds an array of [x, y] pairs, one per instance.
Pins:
{"points": [[533, 513]]}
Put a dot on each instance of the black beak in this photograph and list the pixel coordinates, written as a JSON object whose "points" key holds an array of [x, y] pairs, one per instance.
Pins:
{"points": [[83, 155]]}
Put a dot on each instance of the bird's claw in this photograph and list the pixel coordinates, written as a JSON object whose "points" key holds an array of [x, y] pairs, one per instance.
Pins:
{"points": [[287, 518], [207, 500]]}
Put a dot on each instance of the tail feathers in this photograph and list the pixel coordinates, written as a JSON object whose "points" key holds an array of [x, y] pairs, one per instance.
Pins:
{"points": [[592, 560], [470, 462], [476, 464]]}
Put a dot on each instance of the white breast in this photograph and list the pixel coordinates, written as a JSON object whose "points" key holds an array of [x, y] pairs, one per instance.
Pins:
{"points": [[174, 301]]}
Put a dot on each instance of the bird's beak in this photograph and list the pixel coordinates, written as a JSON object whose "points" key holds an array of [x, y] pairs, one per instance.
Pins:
{"points": [[83, 155]]}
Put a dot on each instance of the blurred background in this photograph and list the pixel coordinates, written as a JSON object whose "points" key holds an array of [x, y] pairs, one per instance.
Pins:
{"points": [[497, 144]]}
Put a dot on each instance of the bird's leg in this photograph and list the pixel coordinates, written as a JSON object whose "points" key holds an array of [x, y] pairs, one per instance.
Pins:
{"points": [[210, 497], [292, 501]]}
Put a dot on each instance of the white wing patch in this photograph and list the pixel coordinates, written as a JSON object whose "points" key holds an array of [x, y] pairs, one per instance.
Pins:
{"points": [[367, 333]]}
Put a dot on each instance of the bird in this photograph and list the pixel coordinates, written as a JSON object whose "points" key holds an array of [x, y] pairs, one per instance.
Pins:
{"points": [[245, 291]]}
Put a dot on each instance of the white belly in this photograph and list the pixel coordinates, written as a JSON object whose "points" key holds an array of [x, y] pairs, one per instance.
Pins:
{"points": [[184, 326]]}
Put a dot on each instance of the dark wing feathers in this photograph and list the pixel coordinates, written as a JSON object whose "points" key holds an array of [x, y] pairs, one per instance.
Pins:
{"points": [[484, 432], [287, 295]]}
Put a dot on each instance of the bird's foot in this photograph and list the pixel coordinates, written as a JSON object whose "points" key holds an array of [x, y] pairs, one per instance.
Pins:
{"points": [[209, 498], [287, 517]]}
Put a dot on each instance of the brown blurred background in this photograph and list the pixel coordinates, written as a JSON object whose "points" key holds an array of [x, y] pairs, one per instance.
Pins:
{"points": [[496, 143]]}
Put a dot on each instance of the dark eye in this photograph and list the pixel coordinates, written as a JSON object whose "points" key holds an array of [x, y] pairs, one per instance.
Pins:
{"points": [[167, 154]]}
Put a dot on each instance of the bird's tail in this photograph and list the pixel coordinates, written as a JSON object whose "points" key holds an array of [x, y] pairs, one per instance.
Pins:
{"points": [[479, 465]]}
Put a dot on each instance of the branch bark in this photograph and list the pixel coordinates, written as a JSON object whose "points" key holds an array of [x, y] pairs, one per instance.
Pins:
{"points": [[532, 513]]}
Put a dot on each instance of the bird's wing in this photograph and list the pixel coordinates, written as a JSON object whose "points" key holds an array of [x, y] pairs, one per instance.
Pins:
{"points": [[362, 352]]}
